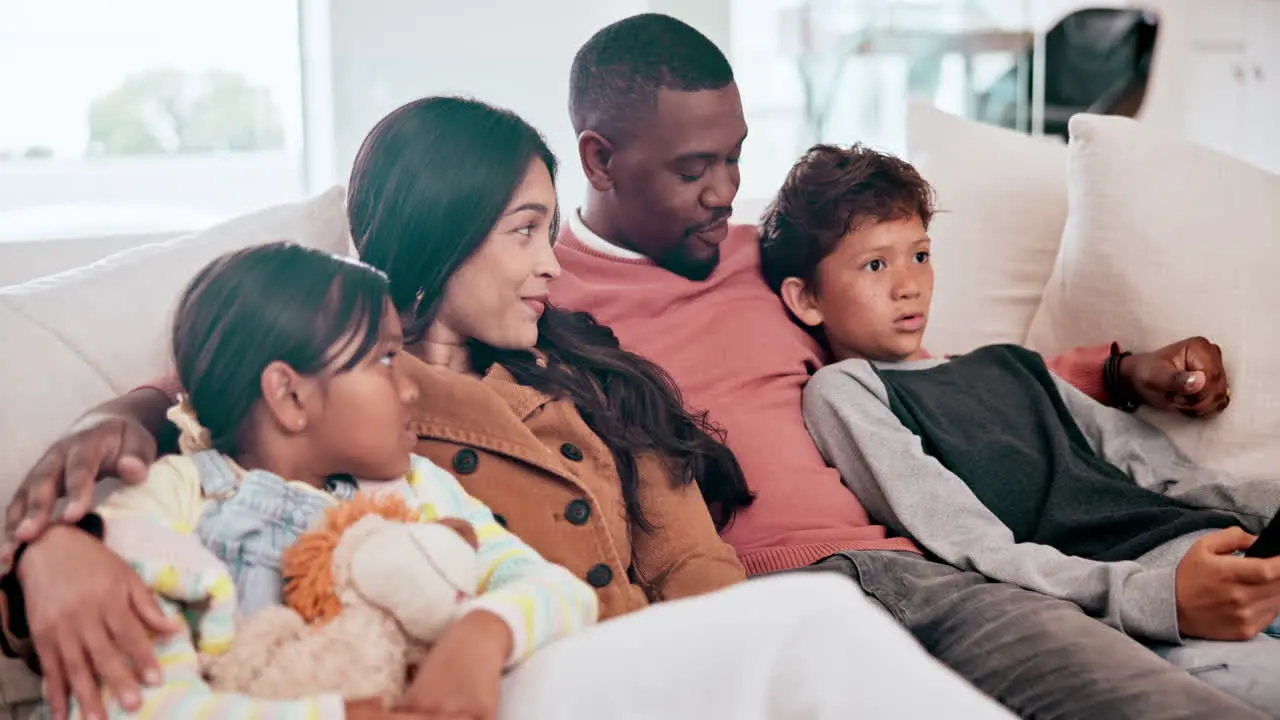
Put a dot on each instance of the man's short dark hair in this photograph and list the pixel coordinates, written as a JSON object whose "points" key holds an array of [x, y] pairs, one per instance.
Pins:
{"points": [[830, 192], [616, 75]]}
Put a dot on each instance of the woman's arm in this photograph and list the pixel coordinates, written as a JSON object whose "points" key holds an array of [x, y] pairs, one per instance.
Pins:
{"points": [[82, 607], [197, 592], [680, 554], [89, 617]]}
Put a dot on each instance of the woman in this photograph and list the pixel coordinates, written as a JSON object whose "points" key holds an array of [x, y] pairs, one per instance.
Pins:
{"points": [[596, 437], [581, 448]]}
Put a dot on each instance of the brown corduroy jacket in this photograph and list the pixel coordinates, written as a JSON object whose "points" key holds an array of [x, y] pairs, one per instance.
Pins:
{"points": [[547, 477]]}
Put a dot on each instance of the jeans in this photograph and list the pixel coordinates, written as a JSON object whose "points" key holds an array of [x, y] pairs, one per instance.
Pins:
{"points": [[1039, 656]]}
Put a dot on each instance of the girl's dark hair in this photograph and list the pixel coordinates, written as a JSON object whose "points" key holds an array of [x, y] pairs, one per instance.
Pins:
{"points": [[283, 302], [429, 183]]}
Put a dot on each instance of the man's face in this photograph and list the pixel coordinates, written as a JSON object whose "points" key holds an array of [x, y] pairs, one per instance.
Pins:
{"points": [[676, 177]]}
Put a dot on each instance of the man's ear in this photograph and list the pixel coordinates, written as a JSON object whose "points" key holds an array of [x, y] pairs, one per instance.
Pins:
{"points": [[596, 154], [287, 396], [799, 299]]}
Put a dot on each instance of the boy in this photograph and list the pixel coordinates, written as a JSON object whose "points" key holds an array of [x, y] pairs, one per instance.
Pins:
{"points": [[987, 460]]}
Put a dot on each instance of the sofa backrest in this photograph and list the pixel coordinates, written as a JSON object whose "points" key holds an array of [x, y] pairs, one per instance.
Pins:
{"points": [[79, 337]]}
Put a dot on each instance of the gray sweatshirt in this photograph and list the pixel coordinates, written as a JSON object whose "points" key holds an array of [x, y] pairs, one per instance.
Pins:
{"points": [[857, 420]]}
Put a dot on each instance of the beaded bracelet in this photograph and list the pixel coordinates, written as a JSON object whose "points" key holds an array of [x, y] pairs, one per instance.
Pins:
{"points": [[1121, 398]]}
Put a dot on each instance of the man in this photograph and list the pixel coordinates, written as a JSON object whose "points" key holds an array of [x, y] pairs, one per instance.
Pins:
{"points": [[651, 254]]}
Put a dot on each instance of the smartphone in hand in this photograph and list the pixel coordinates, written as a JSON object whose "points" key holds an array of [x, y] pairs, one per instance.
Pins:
{"points": [[1268, 543]]}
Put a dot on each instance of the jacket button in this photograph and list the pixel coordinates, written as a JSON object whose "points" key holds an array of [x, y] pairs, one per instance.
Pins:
{"points": [[571, 451], [500, 520], [465, 461], [599, 575], [577, 512]]}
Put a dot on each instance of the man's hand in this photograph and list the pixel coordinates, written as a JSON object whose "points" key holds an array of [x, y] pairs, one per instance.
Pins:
{"points": [[90, 617], [1187, 376], [97, 446], [460, 677], [1224, 597]]}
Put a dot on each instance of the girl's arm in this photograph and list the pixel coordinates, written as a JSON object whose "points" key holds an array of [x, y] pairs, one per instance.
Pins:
{"points": [[191, 585], [539, 601], [680, 554]]}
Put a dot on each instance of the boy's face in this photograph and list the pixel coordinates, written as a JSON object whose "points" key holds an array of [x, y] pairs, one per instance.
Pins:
{"points": [[872, 294]]}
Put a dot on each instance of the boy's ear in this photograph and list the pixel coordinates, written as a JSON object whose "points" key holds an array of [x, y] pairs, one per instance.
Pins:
{"points": [[596, 154], [801, 302], [287, 396]]}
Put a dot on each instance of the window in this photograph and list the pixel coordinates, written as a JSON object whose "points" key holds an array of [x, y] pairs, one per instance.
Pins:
{"points": [[842, 71], [143, 116]]}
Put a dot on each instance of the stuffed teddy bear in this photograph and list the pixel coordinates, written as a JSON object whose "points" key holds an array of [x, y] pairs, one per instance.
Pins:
{"points": [[366, 593]]}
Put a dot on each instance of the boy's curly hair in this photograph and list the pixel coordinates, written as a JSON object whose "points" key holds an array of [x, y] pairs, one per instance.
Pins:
{"points": [[830, 192]]}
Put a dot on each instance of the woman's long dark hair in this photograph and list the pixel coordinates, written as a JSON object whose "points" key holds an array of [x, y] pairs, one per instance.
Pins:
{"points": [[430, 182]]}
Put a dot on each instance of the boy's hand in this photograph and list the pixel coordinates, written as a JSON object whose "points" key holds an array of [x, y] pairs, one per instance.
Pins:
{"points": [[1187, 376], [90, 617], [1224, 597], [460, 677]]}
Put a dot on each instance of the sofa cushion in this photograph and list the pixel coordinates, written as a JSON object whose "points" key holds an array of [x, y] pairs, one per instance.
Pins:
{"points": [[1002, 199], [77, 338], [1165, 240]]}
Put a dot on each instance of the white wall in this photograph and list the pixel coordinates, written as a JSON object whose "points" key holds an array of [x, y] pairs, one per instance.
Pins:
{"points": [[513, 53]]}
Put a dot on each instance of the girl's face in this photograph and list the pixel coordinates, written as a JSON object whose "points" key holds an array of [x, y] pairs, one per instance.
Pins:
{"points": [[359, 421], [498, 294]]}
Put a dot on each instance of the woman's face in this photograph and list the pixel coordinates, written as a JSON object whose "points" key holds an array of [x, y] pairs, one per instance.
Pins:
{"points": [[498, 294]]}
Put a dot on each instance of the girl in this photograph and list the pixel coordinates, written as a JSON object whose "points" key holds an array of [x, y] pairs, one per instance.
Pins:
{"points": [[581, 448], [290, 357]]}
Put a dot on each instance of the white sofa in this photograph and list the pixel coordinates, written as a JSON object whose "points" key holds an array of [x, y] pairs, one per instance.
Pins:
{"points": [[1127, 234], [1136, 236]]}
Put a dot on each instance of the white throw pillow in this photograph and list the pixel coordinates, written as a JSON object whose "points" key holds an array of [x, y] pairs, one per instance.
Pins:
{"points": [[1002, 200], [80, 337], [1167, 239]]}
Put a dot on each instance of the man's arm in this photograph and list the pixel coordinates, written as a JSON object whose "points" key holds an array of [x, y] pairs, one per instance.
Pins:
{"points": [[884, 463], [1083, 368], [1187, 376], [150, 409], [119, 438]]}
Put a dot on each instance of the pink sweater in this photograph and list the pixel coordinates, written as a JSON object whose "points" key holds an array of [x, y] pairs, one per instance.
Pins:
{"points": [[735, 353]]}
